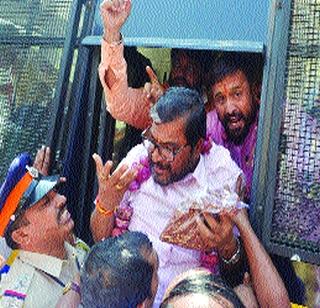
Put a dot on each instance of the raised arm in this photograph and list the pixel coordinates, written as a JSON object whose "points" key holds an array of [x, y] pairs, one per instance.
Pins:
{"points": [[266, 281], [111, 190], [123, 102]]}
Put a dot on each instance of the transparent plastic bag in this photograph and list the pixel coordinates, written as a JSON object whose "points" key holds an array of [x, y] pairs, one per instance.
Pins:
{"points": [[182, 228]]}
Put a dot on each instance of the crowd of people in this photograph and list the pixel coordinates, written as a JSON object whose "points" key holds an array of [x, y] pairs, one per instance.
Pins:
{"points": [[199, 134]]}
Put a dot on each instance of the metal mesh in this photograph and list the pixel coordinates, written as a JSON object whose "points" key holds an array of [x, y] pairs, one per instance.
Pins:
{"points": [[32, 33], [36, 18], [296, 217]]}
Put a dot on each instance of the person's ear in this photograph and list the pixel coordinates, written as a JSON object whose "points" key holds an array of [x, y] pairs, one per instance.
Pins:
{"points": [[20, 236], [198, 147], [256, 92]]}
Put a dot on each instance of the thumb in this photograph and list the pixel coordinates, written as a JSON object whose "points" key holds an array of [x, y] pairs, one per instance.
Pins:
{"points": [[152, 75], [225, 218], [98, 161]]}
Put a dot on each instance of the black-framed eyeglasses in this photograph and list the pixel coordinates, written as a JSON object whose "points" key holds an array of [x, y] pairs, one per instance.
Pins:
{"points": [[166, 153]]}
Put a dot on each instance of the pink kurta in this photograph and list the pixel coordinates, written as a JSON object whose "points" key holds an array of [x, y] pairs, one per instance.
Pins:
{"points": [[153, 205], [242, 154]]}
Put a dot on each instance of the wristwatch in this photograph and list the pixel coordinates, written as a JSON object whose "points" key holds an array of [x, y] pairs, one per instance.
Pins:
{"points": [[71, 286], [235, 257]]}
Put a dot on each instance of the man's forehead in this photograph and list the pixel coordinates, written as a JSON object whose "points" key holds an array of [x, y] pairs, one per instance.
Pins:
{"points": [[230, 81], [168, 132], [176, 125], [46, 199]]}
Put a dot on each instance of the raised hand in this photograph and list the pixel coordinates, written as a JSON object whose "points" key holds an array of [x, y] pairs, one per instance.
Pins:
{"points": [[153, 89], [42, 160], [241, 219], [114, 13], [112, 186], [218, 234]]}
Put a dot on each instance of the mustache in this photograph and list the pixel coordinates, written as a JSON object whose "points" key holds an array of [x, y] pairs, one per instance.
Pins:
{"points": [[159, 165], [234, 116], [61, 210]]}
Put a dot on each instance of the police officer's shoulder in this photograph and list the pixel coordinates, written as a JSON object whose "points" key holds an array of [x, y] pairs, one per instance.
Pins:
{"points": [[15, 284]]}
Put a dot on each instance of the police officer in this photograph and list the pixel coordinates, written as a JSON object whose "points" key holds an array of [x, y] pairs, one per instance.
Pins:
{"points": [[38, 228]]}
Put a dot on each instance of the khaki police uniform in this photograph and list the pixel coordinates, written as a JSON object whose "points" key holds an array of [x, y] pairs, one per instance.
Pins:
{"points": [[4, 248], [39, 277]]}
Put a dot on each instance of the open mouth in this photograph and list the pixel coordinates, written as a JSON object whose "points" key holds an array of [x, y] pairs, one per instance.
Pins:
{"points": [[64, 216], [235, 122], [159, 170]]}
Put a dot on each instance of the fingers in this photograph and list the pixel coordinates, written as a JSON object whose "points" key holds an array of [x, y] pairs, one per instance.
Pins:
{"points": [[46, 161], [215, 232], [241, 219], [103, 171], [204, 231], [120, 178], [126, 178], [115, 6], [147, 89], [99, 165], [152, 75], [110, 5], [225, 219], [212, 223], [116, 175], [241, 188], [42, 160], [39, 158], [127, 5], [207, 235], [239, 184], [232, 214], [106, 5], [154, 88]]}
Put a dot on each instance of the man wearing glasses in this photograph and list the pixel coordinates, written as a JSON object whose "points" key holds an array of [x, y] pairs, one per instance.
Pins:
{"points": [[172, 145]]}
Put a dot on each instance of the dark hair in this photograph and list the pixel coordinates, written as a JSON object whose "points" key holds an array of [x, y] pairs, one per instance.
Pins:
{"points": [[199, 58], [203, 283], [226, 63], [180, 102], [20, 221], [116, 272]]}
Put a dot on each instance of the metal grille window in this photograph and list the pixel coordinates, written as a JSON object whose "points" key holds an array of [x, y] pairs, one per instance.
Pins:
{"points": [[32, 35], [297, 204], [292, 188]]}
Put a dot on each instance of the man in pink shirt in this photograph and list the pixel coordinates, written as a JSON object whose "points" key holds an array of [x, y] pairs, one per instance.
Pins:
{"points": [[234, 83], [234, 89], [179, 172], [132, 105]]}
